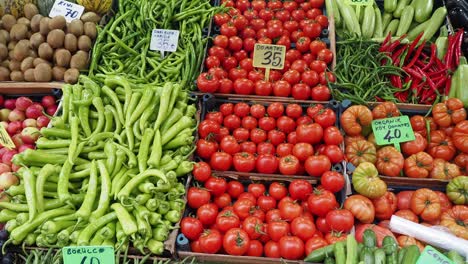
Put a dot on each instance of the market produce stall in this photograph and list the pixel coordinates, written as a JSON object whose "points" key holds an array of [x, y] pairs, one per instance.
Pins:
{"points": [[233, 131]]}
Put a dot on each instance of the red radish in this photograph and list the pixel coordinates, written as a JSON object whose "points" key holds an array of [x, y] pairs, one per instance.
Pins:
{"points": [[42, 121], [22, 103], [14, 127], [15, 167], [30, 122], [4, 114], [17, 140], [51, 110], [16, 115], [4, 168], [8, 156], [48, 101], [29, 135], [10, 104], [8, 179], [34, 111], [25, 147], [4, 124], [2, 100]]}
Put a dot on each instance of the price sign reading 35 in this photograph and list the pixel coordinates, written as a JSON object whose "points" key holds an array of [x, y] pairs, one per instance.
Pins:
{"points": [[66, 9], [269, 57]]}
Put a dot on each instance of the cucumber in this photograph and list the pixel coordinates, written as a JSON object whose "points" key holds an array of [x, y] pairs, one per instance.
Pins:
{"points": [[351, 250], [392, 27], [340, 253], [349, 16], [455, 257], [401, 255], [368, 22], [378, 31], [367, 256], [422, 10], [402, 4], [435, 22], [386, 18], [369, 239], [332, 9], [379, 256], [390, 5], [320, 254], [411, 255], [329, 260], [405, 21], [418, 29], [389, 245]]}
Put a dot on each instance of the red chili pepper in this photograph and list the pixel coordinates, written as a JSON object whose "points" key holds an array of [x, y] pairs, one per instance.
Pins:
{"points": [[439, 63], [395, 44], [414, 43], [385, 43], [420, 64], [413, 73], [448, 85], [396, 55], [432, 57], [435, 73], [416, 55], [457, 51], [441, 82], [450, 50], [378, 99]]}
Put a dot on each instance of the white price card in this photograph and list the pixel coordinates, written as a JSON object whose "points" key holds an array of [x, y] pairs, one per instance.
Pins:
{"points": [[164, 40], [66, 9]]}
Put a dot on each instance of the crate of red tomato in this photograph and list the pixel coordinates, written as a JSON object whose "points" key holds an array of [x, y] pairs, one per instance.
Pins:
{"points": [[259, 220], [270, 138], [302, 28]]}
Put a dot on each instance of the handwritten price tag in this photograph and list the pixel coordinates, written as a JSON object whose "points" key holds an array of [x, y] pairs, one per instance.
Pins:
{"points": [[360, 2], [164, 40], [5, 139], [269, 56], [66, 9], [392, 131], [431, 256], [88, 255]]}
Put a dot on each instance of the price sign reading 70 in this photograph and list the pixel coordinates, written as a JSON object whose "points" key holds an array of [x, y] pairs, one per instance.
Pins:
{"points": [[269, 57]]}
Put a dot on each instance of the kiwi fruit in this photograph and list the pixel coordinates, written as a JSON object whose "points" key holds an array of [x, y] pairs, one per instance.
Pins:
{"points": [[12, 44], [24, 21], [17, 76], [84, 43], [62, 57], [43, 73], [79, 60], [44, 26], [71, 76], [15, 65], [58, 73], [5, 35], [18, 32], [36, 40], [27, 63], [35, 22], [45, 51], [21, 50], [30, 10], [3, 51], [90, 17], [90, 30], [76, 27], [29, 75], [56, 38], [8, 21], [38, 61], [57, 22], [4, 74], [71, 42]]}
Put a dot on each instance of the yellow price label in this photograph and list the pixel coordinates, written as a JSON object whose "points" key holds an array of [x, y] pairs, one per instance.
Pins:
{"points": [[269, 56], [360, 2], [5, 139]]}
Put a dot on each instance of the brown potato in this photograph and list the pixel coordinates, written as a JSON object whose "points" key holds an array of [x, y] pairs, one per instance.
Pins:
{"points": [[75, 27], [71, 42], [8, 21], [56, 38], [71, 76], [57, 22], [35, 22], [45, 51], [79, 60], [18, 31], [17, 76], [4, 74], [84, 43], [58, 73], [36, 40], [21, 50], [29, 75], [62, 57], [44, 26], [90, 30], [43, 73], [30, 10], [27, 63]]}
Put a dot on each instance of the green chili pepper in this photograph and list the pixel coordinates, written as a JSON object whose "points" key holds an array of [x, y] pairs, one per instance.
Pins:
{"points": [[53, 227], [126, 220], [160, 233], [7, 215], [29, 181], [184, 168], [132, 160], [139, 199], [45, 172], [110, 151], [144, 149], [134, 100], [155, 246], [85, 235], [146, 99], [173, 216], [175, 115], [133, 183], [104, 199], [83, 111], [63, 183], [98, 104], [163, 207], [177, 204], [85, 209], [163, 104], [115, 101], [44, 143], [74, 124], [54, 132], [22, 218], [183, 123]]}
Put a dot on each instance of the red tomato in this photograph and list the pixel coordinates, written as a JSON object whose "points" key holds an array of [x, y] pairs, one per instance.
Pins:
{"points": [[292, 137], [229, 145], [212, 62], [249, 122], [226, 220], [226, 109], [236, 242], [314, 243], [266, 203], [317, 165], [210, 241], [303, 151], [288, 165], [241, 109], [300, 91], [197, 197], [247, 196], [221, 161], [258, 135], [299, 65], [303, 44], [229, 65], [254, 227], [207, 214], [242, 208], [291, 247], [300, 189], [332, 181], [310, 133], [310, 77], [312, 30], [228, 29], [207, 83], [289, 210], [292, 55], [284, 149], [216, 186], [303, 227], [313, 13], [277, 191], [325, 118], [255, 249], [293, 111], [223, 200], [191, 227], [255, 76], [292, 76], [273, 215], [275, 110], [334, 153], [326, 77], [234, 189], [281, 88], [244, 162], [221, 41], [223, 132], [318, 66], [201, 171], [243, 86], [286, 124], [263, 88], [332, 136], [257, 111], [265, 148], [321, 202], [404, 199], [249, 147], [276, 137], [340, 220], [325, 55], [277, 229], [267, 164], [272, 250], [334, 237], [322, 225], [214, 116], [257, 189], [240, 134]]}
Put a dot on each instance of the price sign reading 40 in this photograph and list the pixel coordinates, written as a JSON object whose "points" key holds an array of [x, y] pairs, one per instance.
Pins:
{"points": [[269, 57], [88, 255], [393, 130]]}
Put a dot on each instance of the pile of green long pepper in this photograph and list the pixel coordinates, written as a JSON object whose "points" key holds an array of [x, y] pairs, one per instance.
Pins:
{"points": [[108, 172], [123, 45]]}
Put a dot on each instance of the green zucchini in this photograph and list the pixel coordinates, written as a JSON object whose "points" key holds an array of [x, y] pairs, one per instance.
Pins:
{"points": [[422, 10], [401, 255], [386, 18], [390, 5], [435, 22], [369, 238], [402, 4], [340, 253], [329, 260], [392, 27], [332, 9], [351, 250], [368, 22], [320, 254], [379, 256], [378, 31], [349, 16], [411, 255], [367, 256], [455, 257], [405, 21], [415, 31]]}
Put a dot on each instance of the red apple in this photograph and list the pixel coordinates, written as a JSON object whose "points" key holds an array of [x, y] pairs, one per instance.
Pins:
{"points": [[29, 135], [4, 114], [8, 179], [6, 158], [14, 127], [51, 110], [48, 101], [4, 124], [34, 111], [16, 115], [17, 140], [25, 147], [4, 168], [10, 104], [15, 167], [30, 122], [42, 121], [22, 103]]}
